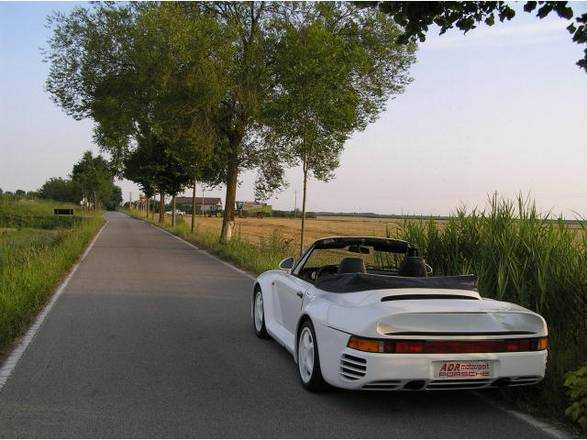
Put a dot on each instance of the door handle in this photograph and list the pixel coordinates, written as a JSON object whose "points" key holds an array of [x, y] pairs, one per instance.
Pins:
{"points": [[300, 294]]}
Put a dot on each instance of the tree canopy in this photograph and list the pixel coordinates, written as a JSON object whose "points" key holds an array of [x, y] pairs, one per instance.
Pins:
{"points": [[334, 70], [204, 82]]}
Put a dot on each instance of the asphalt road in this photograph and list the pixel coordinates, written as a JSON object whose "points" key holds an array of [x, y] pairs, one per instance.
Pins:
{"points": [[151, 338]]}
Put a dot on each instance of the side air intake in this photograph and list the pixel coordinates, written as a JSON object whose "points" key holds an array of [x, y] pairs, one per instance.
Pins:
{"points": [[352, 367]]}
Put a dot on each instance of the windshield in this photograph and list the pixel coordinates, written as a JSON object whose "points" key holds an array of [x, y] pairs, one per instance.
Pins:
{"points": [[350, 259]]}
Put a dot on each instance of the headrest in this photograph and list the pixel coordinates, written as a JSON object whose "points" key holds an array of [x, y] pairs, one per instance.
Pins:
{"points": [[352, 265], [413, 267]]}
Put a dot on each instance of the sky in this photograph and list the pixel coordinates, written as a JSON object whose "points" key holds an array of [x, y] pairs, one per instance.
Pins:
{"points": [[499, 109]]}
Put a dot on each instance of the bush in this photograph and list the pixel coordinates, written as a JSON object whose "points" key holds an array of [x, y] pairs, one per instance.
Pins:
{"points": [[576, 384]]}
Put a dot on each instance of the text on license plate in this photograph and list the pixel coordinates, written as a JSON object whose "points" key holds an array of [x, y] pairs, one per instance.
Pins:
{"points": [[463, 369]]}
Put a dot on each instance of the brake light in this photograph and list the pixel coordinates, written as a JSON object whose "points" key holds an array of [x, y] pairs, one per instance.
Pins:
{"points": [[439, 346], [409, 347]]}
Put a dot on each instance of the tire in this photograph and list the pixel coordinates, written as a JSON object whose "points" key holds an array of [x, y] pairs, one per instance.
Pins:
{"points": [[309, 371], [258, 315]]}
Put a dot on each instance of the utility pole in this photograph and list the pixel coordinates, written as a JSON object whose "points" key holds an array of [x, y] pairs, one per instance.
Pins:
{"points": [[194, 205]]}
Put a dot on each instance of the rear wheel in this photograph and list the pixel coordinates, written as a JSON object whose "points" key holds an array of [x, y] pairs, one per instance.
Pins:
{"points": [[258, 314], [308, 360]]}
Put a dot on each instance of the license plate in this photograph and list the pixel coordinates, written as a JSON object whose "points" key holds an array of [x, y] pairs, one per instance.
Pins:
{"points": [[463, 369]]}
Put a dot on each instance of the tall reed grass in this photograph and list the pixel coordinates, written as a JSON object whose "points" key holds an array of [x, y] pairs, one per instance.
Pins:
{"points": [[523, 257]]}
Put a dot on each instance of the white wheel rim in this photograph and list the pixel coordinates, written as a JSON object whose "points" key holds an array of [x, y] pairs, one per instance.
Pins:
{"points": [[258, 311], [306, 354]]}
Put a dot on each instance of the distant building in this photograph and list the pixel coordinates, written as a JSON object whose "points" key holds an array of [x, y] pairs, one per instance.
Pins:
{"points": [[203, 204]]}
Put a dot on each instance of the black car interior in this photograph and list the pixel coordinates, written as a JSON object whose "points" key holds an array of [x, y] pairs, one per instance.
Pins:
{"points": [[336, 257]]}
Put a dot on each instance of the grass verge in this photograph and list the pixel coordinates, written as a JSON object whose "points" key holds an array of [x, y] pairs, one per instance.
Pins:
{"points": [[32, 263], [253, 257]]}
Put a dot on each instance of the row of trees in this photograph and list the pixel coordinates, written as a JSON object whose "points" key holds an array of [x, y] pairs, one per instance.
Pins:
{"points": [[185, 92], [19, 194], [91, 182]]}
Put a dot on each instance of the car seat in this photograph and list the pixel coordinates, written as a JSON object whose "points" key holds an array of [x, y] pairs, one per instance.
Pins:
{"points": [[352, 265]]}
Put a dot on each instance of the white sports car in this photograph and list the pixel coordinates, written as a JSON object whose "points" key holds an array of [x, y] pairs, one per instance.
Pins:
{"points": [[362, 313]]}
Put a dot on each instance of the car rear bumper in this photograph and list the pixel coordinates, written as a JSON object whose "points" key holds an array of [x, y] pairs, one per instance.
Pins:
{"points": [[417, 372], [344, 367]]}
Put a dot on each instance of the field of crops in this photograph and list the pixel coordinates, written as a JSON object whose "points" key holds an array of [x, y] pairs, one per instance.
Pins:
{"points": [[518, 254], [36, 251], [255, 230]]}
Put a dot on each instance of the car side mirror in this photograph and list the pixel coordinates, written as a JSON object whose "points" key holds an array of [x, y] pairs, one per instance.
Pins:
{"points": [[286, 263]]}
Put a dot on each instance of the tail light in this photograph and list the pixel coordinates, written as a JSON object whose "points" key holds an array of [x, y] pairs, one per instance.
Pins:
{"points": [[437, 347]]}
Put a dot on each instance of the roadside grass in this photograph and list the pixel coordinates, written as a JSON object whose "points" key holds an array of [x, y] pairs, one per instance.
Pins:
{"points": [[264, 254], [33, 259], [519, 255]]}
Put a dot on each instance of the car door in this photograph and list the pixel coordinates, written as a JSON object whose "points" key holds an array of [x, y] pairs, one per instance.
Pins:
{"points": [[290, 293]]}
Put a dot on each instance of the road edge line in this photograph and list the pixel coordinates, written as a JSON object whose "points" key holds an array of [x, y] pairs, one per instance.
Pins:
{"points": [[214, 257], [16, 354], [543, 426]]}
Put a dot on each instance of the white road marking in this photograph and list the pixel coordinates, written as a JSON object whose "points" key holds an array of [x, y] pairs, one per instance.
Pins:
{"points": [[16, 354], [214, 257], [538, 424]]}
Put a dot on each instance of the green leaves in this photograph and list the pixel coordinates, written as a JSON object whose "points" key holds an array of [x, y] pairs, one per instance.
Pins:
{"points": [[576, 383], [334, 69], [415, 17]]}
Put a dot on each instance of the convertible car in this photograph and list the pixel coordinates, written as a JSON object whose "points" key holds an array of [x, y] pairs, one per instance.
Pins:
{"points": [[365, 313]]}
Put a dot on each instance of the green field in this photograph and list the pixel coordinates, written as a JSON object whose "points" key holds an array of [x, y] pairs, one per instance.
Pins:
{"points": [[36, 251]]}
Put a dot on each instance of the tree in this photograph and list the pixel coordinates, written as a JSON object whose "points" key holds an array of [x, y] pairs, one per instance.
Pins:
{"points": [[115, 199], [335, 67], [138, 167], [147, 74], [61, 190], [93, 177], [155, 169], [416, 17], [253, 85]]}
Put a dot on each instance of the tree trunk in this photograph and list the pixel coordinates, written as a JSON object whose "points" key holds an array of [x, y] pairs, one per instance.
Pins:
{"points": [[148, 202], [194, 206], [173, 211], [228, 218], [305, 167], [161, 208]]}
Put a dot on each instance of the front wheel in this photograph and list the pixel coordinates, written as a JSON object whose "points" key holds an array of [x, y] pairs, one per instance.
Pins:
{"points": [[258, 315], [308, 360]]}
